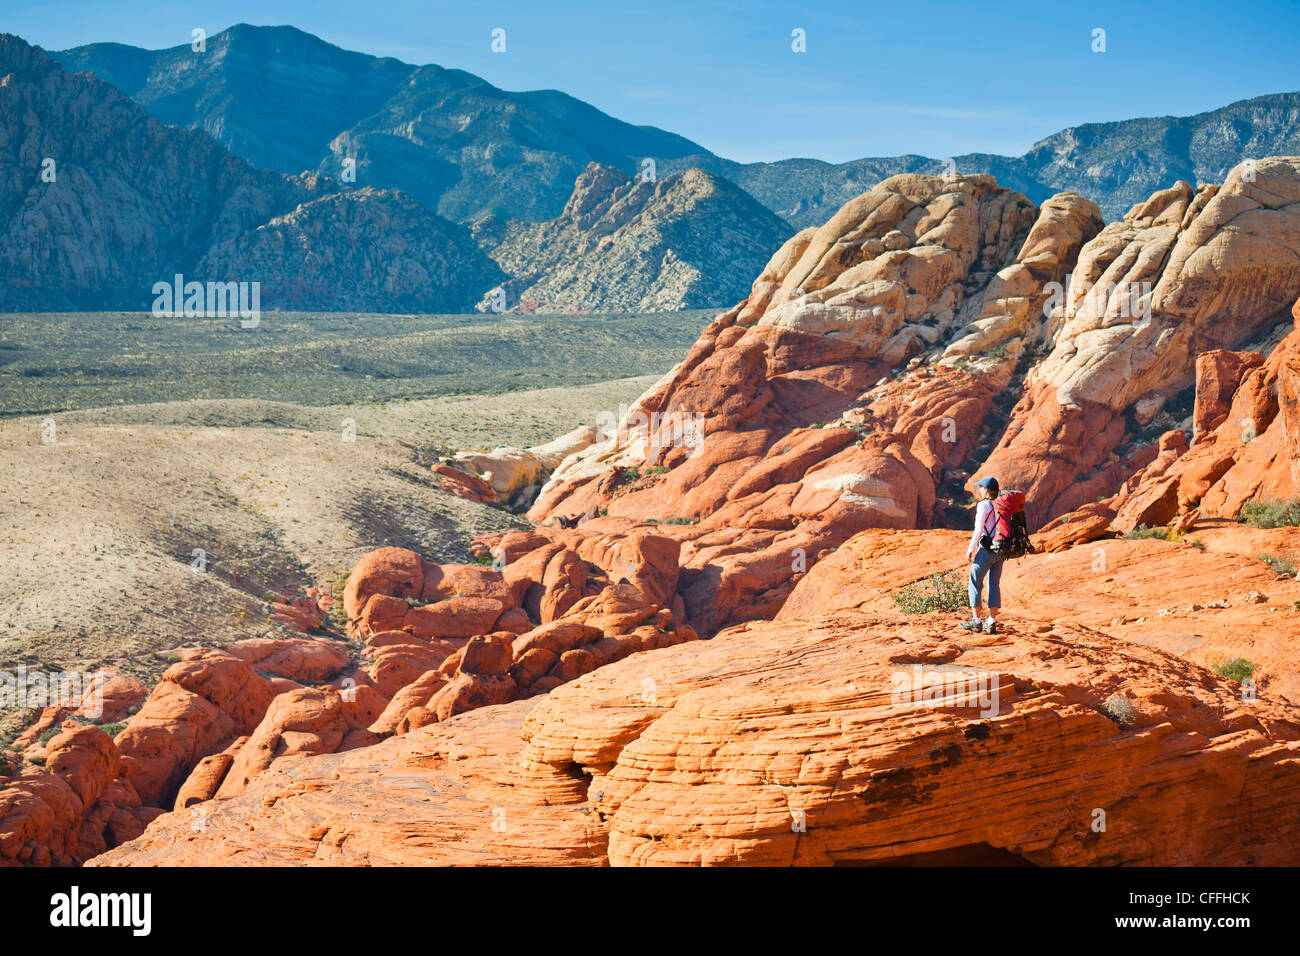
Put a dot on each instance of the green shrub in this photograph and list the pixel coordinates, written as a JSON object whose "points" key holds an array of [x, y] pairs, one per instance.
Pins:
{"points": [[682, 521], [942, 591], [1271, 514], [1119, 709], [1197, 543], [114, 728], [1161, 533], [1281, 565], [1237, 669], [48, 734]]}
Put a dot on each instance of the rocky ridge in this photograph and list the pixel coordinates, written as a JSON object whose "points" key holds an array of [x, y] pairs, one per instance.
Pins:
{"points": [[685, 241]]}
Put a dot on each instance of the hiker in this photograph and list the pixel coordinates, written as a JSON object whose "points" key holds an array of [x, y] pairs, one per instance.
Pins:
{"points": [[984, 563]]}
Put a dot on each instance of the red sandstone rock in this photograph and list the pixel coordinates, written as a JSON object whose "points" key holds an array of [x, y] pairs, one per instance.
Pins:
{"points": [[392, 571], [1218, 266], [787, 743], [1250, 455], [310, 720], [463, 484], [111, 697], [295, 658], [205, 779], [1090, 522], [59, 814], [1218, 373], [199, 706]]}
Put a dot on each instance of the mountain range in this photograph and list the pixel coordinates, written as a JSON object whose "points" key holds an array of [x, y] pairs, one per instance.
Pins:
{"points": [[286, 100]]}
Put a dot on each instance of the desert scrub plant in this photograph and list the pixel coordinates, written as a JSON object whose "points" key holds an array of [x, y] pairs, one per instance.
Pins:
{"points": [[48, 734], [657, 470], [1142, 532], [1238, 669], [682, 521], [1119, 709], [1271, 514], [1197, 543], [1282, 566], [941, 591], [113, 729]]}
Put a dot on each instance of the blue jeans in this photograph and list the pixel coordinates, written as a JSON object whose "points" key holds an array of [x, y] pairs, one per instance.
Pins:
{"points": [[986, 563]]}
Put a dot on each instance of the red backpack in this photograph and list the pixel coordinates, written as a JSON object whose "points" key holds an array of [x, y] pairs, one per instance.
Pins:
{"points": [[1010, 531]]}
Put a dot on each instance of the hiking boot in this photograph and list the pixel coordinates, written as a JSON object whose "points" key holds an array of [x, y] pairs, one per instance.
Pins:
{"points": [[990, 626], [972, 625]]}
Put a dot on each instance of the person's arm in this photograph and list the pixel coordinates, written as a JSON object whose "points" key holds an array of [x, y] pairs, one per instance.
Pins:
{"points": [[981, 516]]}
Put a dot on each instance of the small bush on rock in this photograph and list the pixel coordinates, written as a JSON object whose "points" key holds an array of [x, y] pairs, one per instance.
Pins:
{"points": [[942, 591]]}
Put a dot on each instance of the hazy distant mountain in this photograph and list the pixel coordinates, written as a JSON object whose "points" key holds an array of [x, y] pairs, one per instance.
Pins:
{"points": [[286, 100], [99, 201], [1115, 164], [686, 241]]}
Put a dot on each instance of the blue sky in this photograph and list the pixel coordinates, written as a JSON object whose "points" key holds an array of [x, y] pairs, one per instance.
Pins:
{"points": [[877, 79]]}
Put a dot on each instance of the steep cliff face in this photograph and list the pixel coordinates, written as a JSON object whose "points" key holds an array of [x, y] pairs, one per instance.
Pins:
{"points": [[1184, 273], [99, 201], [688, 241]]}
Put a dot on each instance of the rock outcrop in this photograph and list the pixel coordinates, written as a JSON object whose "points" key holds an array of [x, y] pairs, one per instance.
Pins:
{"points": [[792, 424], [519, 473], [687, 241], [1250, 453], [856, 736], [562, 605]]}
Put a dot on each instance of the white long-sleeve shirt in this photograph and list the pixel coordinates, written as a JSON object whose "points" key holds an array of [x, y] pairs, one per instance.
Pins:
{"points": [[985, 522]]}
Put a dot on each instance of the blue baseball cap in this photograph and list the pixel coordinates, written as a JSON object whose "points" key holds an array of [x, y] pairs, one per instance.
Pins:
{"points": [[990, 483]]}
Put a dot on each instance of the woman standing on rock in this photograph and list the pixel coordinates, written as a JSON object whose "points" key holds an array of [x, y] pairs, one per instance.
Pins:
{"points": [[983, 561]]}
